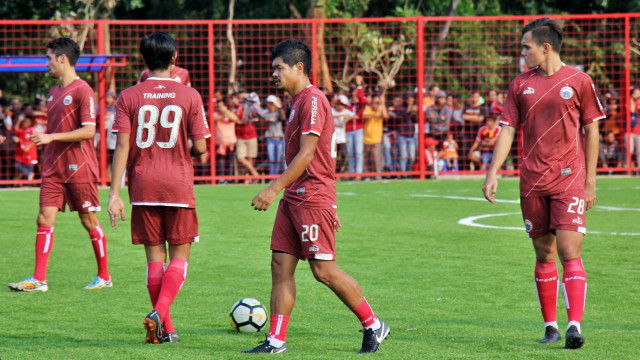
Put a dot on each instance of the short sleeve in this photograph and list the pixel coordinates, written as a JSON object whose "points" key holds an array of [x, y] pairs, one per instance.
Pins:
{"points": [[511, 112], [313, 115], [590, 107], [87, 107], [122, 120], [197, 122]]}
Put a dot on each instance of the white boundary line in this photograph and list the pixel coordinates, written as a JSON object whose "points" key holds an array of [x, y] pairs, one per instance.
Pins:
{"points": [[471, 220]]}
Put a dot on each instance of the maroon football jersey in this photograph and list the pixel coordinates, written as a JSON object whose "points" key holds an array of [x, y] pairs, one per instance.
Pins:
{"points": [[68, 109], [311, 114], [179, 74], [552, 110], [161, 115]]}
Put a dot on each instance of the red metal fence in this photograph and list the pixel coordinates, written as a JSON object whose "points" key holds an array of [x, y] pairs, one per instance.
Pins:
{"points": [[471, 59]]}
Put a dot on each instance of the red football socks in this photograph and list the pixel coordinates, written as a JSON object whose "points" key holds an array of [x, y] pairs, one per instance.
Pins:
{"points": [[546, 276], [574, 286], [365, 313], [155, 271], [278, 327], [99, 243], [172, 281], [44, 242]]}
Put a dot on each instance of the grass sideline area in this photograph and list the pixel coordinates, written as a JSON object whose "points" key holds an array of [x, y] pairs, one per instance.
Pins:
{"points": [[448, 290]]}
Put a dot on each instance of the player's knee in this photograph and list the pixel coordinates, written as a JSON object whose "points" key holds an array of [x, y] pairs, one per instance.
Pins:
{"points": [[89, 220], [45, 219]]}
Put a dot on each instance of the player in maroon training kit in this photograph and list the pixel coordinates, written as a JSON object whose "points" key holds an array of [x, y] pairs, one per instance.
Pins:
{"points": [[69, 167], [557, 108], [306, 220], [154, 122]]}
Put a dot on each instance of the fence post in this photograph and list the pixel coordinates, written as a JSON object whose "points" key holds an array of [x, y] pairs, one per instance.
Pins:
{"points": [[102, 144], [211, 120], [314, 51], [420, 96], [627, 91]]}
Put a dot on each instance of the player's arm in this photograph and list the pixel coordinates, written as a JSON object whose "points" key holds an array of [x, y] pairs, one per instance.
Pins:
{"points": [[266, 197], [87, 131], [474, 147], [500, 153], [199, 147], [591, 149], [120, 155]]}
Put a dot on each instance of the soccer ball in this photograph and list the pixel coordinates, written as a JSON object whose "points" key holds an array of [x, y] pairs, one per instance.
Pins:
{"points": [[248, 315]]}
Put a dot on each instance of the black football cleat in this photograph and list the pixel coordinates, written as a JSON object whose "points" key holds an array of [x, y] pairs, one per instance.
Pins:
{"points": [[371, 339], [551, 335], [266, 348], [154, 328], [573, 339], [170, 337]]}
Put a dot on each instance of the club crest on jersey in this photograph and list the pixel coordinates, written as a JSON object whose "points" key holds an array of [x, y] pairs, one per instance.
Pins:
{"points": [[566, 92], [50, 98], [178, 79], [67, 100], [528, 225]]}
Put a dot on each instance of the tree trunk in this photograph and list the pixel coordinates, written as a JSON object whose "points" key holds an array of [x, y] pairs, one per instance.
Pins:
{"points": [[433, 54], [233, 85]]}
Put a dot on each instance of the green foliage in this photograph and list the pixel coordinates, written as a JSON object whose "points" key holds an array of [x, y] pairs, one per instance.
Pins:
{"points": [[423, 273]]}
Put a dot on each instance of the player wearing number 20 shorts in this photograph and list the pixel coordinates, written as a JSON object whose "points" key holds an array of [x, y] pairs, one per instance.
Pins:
{"points": [[154, 122]]}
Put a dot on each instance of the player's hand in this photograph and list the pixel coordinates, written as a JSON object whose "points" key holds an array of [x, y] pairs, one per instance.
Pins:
{"points": [[41, 139], [264, 199], [590, 195], [337, 224], [115, 208], [490, 187]]}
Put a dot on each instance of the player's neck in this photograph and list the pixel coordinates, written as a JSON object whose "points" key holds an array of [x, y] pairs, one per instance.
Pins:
{"points": [[68, 77], [166, 73], [550, 66], [299, 86]]}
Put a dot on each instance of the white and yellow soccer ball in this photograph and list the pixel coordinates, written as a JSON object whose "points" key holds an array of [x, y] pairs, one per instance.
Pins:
{"points": [[248, 315]]}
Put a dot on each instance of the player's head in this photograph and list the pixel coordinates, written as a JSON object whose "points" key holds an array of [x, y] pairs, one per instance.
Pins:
{"points": [[540, 38], [62, 53], [158, 50], [291, 63]]}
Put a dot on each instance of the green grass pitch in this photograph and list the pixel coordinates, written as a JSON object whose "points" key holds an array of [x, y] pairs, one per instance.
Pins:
{"points": [[448, 290]]}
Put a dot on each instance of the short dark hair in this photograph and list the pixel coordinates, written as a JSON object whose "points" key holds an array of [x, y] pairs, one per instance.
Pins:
{"points": [[293, 51], [545, 30], [65, 46], [157, 49]]}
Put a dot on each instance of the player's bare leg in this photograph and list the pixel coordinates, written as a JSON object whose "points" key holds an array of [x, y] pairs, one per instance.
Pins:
{"points": [[349, 291], [44, 242], [91, 223]]}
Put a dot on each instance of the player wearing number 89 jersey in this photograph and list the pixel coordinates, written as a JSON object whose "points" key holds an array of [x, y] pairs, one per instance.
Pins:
{"points": [[154, 122]]}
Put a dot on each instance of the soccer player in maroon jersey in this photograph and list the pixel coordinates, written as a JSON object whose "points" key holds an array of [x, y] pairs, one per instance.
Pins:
{"points": [[70, 167], [154, 122], [306, 219], [177, 73], [557, 108]]}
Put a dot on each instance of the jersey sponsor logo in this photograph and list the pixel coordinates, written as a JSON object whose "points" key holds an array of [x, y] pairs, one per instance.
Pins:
{"points": [[566, 92], [73, 167], [314, 248], [204, 116], [597, 99], [92, 108], [314, 109], [528, 225], [86, 204], [67, 100], [160, 87], [50, 98], [566, 171], [293, 111], [529, 91], [159, 96], [577, 221]]}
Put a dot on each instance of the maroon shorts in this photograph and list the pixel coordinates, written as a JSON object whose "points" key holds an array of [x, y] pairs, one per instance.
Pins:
{"points": [[304, 233], [545, 214], [153, 225], [81, 197]]}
